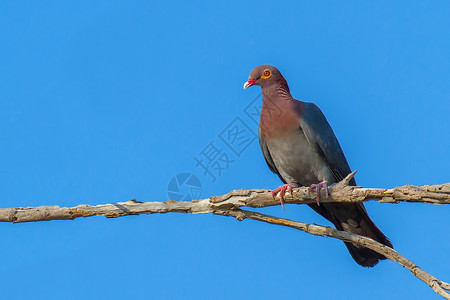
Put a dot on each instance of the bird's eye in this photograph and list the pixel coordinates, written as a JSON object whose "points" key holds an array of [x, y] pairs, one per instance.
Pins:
{"points": [[266, 74]]}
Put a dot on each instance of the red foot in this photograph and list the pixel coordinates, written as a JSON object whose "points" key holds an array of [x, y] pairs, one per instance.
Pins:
{"points": [[317, 187], [282, 189]]}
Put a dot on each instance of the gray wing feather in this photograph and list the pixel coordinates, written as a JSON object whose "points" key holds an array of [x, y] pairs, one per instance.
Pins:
{"points": [[320, 135]]}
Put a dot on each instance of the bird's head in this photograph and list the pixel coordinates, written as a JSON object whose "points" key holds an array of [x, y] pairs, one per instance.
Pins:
{"points": [[264, 75]]}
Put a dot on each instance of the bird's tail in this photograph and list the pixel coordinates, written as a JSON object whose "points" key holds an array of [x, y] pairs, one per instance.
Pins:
{"points": [[362, 224], [353, 218]]}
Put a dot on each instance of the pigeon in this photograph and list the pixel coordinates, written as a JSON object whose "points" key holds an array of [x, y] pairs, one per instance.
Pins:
{"points": [[299, 146]]}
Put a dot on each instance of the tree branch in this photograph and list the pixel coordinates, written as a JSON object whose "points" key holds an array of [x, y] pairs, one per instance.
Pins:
{"points": [[340, 192], [230, 203], [437, 285]]}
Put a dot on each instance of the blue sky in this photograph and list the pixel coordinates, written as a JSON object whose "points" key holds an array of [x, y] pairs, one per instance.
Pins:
{"points": [[107, 101]]}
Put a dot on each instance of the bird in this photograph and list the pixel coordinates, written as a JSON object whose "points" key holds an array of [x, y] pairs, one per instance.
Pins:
{"points": [[300, 146]]}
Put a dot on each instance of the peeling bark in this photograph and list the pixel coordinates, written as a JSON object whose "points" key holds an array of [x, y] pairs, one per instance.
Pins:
{"points": [[230, 205]]}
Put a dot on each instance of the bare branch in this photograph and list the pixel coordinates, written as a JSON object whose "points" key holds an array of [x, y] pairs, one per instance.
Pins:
{"points": [[438, 286], [340, 192], [230, 203]]}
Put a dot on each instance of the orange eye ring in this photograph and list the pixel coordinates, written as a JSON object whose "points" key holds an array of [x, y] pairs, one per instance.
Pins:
{"points": [[266, 74]]}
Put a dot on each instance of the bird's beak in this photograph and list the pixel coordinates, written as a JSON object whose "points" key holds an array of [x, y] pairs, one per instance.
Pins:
{"points": [[249, 83]]}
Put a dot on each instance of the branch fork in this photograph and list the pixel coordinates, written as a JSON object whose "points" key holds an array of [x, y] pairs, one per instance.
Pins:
{"points": [[231, 204]]}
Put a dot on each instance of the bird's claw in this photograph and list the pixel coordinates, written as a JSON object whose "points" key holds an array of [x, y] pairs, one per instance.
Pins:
{"points": [[282, 190], [317, 187]]}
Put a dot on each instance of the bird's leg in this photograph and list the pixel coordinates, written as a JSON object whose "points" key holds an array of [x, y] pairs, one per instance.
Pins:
{"points": [[282, 189], [317, 187]]}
